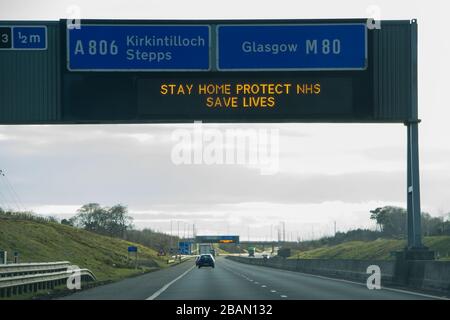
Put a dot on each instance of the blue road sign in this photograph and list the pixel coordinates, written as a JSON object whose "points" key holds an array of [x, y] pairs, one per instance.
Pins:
{"points": [[139, 48], [23, 37], [132, 249], [292, 47], [184, 247]]}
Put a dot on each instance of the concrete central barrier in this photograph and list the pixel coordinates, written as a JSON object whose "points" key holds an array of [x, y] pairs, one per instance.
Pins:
{"points": [[355, 270]]}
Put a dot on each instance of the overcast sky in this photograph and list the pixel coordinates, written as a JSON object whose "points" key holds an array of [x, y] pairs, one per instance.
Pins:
{"points": [[326, 172]]}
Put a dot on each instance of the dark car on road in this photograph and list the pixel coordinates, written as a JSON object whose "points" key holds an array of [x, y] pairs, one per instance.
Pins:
{"points": [[205, 260]]}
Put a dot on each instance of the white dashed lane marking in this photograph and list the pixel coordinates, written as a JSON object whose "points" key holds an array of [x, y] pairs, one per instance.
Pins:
{"points": [[254, 282]]}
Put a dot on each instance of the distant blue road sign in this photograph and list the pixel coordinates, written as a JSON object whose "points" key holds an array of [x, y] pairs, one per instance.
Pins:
{"points": [[23, 37], [292, 47], [184, 247], [139, 48], [132, 249]]}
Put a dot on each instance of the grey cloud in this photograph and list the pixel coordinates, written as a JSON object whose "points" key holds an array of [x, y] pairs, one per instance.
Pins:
{"points": [[67, 165]]}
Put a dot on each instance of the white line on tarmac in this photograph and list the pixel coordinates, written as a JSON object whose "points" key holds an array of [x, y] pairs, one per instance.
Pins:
{"points": [[245, 277], [157, 293]]}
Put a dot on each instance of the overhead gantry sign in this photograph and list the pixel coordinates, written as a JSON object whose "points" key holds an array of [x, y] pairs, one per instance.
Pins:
{"points": [[104, 71]]}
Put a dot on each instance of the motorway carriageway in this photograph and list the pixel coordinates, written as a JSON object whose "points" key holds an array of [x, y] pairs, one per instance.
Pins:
{"points": [[232, 280]]}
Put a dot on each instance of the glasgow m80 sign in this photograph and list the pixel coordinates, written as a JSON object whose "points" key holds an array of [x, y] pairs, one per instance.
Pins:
{"points": [[293, 47]]}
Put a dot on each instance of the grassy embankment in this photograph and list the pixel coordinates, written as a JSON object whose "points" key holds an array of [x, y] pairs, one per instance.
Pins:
{"points": [[47, 241], [372, 250]]}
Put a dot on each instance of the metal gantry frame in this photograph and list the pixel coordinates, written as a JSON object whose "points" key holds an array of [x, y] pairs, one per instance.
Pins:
{"points": [[413, 188], [414, 227]]}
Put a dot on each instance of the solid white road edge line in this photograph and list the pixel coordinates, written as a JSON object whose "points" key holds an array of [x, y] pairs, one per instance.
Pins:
{"points": [[157, 293]]}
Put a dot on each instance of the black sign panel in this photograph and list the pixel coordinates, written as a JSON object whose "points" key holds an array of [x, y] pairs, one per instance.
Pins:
{"points": [[216, 97], [5, 38], [217, 239]]}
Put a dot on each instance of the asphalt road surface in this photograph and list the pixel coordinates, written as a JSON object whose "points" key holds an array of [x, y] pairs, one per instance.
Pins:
{"points": [[231, 280]]}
